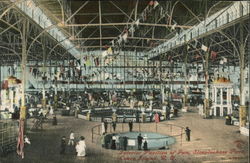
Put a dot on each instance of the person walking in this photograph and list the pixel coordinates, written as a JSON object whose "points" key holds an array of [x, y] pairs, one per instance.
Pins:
{"points": [[125, 142], [130, 125], [54, 120], [188, 131], [113, 142], [114, 125], [63, 145], [139, 141], [81, 147], [145, 145], [71, 138], [121, 142], [105, 126]]}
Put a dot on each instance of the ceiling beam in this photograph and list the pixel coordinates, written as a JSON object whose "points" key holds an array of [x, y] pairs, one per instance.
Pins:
{"points": [[100, 22], [122, 24], [77, 11], [98, 46], [111, 38], [94, 14]]}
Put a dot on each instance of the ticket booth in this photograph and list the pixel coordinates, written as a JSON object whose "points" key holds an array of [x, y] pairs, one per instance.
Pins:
{"points": [[222, 90]]}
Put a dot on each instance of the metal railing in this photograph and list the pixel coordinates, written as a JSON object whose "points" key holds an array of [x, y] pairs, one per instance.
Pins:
{"points": [[161, 128], [8, 135]]}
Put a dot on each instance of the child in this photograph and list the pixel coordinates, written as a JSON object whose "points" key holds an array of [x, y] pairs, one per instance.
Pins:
{"points": [[63, 145]]}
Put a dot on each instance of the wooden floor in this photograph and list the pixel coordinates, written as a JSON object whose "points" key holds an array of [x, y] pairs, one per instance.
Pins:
{"points": [[211, 141]]}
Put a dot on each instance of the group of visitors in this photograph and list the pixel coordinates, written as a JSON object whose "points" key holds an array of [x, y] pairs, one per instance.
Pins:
{"points": [[80, 146], [114, 141], [105, 126], [142, 140]]}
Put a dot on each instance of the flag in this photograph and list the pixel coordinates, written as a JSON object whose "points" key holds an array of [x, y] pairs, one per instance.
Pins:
{"points": [[88, 62], [125, 36], [224, 60], [105, 53], [119, 41], [20, 141], [137, 22], [110, 50], [213, 55], [204, 48], [173, 26], [157, 118], [131, 29], [155, 4]]}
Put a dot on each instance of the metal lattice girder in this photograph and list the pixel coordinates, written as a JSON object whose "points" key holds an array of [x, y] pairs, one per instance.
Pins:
{"points": [[37, 14], [223, 18]]}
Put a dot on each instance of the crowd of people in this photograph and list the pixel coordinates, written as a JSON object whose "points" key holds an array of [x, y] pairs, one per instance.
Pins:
{"points": [[119, 142], [80, 146]]}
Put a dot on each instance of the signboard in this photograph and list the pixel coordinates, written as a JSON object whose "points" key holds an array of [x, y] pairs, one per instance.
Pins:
{"points": [[131, 142]]}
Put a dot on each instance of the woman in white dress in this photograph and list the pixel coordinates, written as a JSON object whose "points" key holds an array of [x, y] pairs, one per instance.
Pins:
{"points": [[81, 147]]}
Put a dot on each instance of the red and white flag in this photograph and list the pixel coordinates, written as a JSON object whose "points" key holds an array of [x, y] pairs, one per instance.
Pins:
{"points": [[20, 141]]}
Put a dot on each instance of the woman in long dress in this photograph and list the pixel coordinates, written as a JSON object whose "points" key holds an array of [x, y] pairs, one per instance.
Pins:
{"points": [[81, 147]]}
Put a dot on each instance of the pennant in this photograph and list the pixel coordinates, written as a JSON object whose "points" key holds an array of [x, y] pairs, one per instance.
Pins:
{"points": [[204, 48], [88, 62], [173, 27], [131, 30], [221, 62], [125, 36], [156, 4], [113, 43], [137, 22], [110, 51], [119, 41], [213, 55], [161, 11], [105, 53], [224, 60], [20, 140]]}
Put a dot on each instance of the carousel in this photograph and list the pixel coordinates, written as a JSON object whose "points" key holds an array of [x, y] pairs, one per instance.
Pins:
{"points": [[222, 90]]}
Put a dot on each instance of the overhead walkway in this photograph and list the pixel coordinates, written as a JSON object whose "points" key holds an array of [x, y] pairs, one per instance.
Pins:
{"points": [[33, 11], [224, 18]]}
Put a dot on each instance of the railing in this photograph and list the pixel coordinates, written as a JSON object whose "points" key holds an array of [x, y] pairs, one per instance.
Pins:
{"points": [[8, 136], [165, 129]]}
